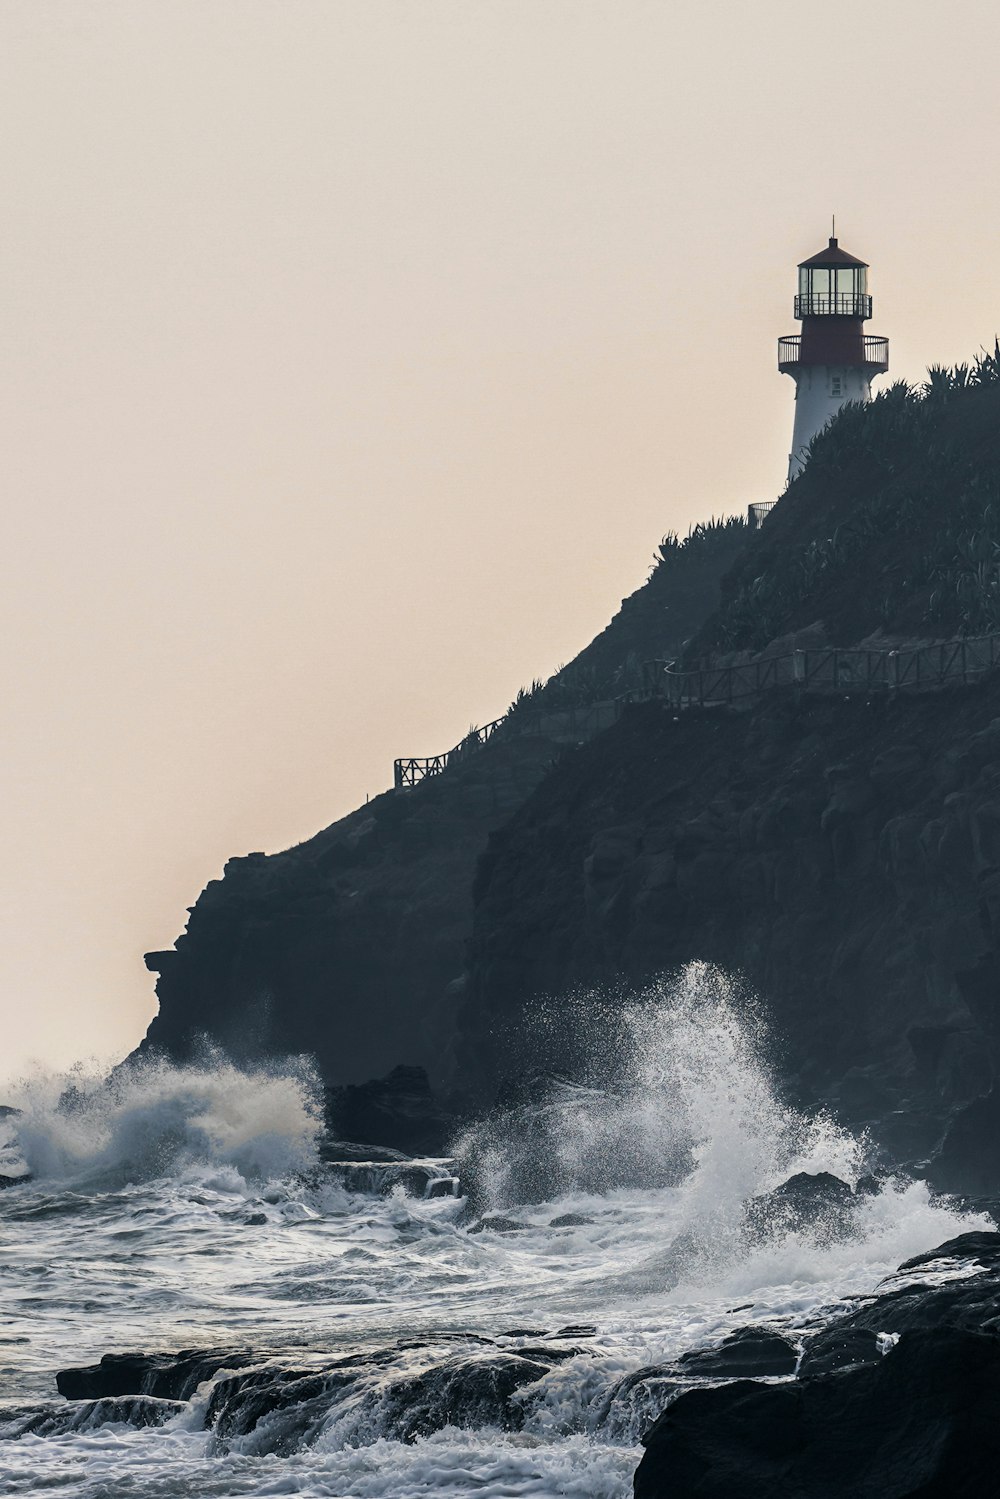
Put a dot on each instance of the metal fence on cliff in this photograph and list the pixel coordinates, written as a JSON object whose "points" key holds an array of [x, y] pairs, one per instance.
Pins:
{"points": [[920, 668], [833, 670]]}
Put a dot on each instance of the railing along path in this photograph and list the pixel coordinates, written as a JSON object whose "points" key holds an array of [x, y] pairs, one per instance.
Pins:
{"points": [[831, 670]]}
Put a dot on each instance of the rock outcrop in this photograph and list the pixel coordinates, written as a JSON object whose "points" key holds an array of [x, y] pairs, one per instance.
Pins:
{"points": [[920, 1421], [896, 1399]]}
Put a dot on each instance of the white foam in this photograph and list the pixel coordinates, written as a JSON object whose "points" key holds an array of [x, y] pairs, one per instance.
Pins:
{"points": [[452, 1464], [153, 1119]]}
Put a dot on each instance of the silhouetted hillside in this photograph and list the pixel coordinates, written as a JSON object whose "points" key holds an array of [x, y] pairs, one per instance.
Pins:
{"points": [[840, 852]]}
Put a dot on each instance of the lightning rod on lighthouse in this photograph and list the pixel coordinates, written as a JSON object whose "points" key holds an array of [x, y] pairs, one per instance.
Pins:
{"points": [[833, 360]]}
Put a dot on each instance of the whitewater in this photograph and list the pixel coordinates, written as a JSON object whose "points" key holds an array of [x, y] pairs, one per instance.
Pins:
{"points": [[595, 1241]]}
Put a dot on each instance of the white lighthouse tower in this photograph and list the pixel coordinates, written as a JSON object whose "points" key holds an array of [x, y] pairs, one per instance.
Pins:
{"points": [[833, 360]]}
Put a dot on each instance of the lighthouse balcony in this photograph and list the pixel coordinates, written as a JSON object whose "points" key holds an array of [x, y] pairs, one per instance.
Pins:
{"points": [[867, 349], [826, 304]]}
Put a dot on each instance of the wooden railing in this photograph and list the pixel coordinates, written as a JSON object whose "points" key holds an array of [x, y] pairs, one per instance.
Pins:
{"points": [[560, 725], [831, 670], [412, 769]]}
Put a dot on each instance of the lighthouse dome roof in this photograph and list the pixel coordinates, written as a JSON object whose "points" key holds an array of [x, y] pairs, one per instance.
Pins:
{"points": [[832, 256]]}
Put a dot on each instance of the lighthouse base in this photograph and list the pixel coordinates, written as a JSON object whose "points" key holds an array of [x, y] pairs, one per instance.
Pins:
{"points": [[820, 391]]}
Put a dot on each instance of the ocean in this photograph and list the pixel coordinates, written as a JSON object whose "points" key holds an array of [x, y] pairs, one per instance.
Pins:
{"points": [[355, 1332]]}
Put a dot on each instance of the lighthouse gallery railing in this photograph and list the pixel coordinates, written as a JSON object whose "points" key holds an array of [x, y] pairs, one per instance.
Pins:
{"points": [[876, 350], [817, 304]]}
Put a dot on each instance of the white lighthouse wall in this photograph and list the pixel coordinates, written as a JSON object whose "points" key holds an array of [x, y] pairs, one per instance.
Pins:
{"points": [[820, 391]]}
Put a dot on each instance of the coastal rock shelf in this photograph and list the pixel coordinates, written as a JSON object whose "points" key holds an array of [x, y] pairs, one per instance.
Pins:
{"points": [[894, 1397]]}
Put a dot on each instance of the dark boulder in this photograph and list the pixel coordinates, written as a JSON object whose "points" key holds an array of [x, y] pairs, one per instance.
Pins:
{"points": [[168, 1376], [748, 1353], [839, 1347], [127, 1410], [464, 1392], [969, 1302], [283, 1408], [981, 1247], [922, 1421], [497, 1223], [398, 1111], [813, 1201], [338, 1152], [280, 1409]]}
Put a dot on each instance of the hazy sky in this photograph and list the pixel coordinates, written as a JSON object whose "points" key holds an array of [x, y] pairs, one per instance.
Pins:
{"points": [[354, 356]]}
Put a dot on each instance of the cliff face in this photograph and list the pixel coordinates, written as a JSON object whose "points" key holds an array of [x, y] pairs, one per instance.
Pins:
{"points": [[841, 854], [352, 946]]}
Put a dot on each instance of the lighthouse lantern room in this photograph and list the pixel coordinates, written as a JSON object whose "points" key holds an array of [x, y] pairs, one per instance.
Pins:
{"points": [[832, 360]]}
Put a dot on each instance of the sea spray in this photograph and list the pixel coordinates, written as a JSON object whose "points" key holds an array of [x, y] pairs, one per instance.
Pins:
{"points": [[154, 1118], [673, 1088]]}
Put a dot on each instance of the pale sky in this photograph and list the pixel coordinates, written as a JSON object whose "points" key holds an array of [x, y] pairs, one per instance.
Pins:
{"points": [[354, 356]]}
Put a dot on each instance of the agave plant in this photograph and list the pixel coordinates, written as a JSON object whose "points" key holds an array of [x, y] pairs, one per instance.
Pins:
{"points": [[701, 538]]}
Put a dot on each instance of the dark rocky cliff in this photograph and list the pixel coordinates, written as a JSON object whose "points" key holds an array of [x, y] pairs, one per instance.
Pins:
{"points": [[843, 854], [352, 946]]}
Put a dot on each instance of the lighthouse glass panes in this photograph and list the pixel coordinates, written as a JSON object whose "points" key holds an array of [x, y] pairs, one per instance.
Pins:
{"points": [[838, 291]]}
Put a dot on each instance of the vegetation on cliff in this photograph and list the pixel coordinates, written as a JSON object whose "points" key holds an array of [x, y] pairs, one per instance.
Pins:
{"points": [[653, 623], [893, 525]]}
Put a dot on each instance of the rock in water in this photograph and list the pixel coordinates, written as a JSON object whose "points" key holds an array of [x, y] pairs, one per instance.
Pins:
{"points": [[15, 1181], [398, 1111], [167, 1376], [922, 1421], [813, 1201], [128, 1410]]}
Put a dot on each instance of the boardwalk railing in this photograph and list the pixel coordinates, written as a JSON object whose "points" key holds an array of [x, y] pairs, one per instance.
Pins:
{"points": [[832, 670], [414, 768], [562, 726]]}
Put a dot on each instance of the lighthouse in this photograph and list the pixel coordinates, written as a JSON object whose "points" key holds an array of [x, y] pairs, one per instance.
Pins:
{"points": [[833, 360]]}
